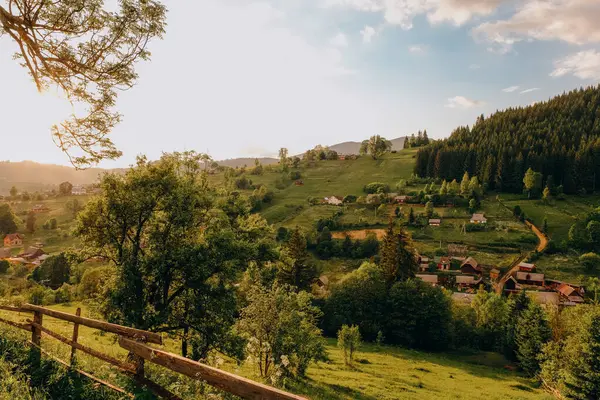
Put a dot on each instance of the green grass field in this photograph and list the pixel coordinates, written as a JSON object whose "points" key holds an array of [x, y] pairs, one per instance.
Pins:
{"points": [[379, 372]]}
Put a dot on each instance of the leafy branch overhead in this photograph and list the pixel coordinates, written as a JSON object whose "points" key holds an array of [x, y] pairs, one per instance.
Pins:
{"points": [[88, 52]]}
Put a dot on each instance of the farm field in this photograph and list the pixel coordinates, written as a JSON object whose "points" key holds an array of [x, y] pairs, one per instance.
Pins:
{"points": [[379, 372]]}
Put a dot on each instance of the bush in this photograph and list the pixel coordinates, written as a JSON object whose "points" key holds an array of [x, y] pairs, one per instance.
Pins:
{"points": [[4, 266], [94, 280], [350, 199], [348, 339], [41, 296], [295, 175], [376, 187]]}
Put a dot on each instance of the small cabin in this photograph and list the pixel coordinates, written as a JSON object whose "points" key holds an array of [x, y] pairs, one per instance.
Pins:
{"points": [[530, 278], [526, 267], [435, 222], [494, 274], [478, 219], [428, 278], [443, 263]]}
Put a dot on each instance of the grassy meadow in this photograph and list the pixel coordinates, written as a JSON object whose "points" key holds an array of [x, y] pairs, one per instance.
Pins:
{"points": [[379, 372]]}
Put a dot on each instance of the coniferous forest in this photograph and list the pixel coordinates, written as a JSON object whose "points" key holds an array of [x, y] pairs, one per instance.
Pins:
{"points": [[559, 138]]}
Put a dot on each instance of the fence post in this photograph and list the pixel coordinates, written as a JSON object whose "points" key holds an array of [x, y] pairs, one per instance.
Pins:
{"points": [[75, 336], [36, 339]]}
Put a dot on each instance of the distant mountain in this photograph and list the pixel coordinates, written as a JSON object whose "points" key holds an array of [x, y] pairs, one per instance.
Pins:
{"points": [[354, 147], [33, 176]]}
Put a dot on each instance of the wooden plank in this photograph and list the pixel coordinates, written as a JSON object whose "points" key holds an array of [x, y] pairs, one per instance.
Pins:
{"points": [[36, 339], [156, 388], [26, 327], [150, 337], [92, 377], [11, 308], [75, 336], [226, 381], [94, 353]]}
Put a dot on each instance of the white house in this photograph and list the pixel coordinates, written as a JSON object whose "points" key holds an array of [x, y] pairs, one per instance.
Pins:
{"points": [[334, 200], [478, 219]]}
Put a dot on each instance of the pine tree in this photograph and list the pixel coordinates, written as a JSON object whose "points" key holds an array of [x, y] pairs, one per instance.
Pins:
{"points": [[545, 225], [464, 184], [583, 380], [296, 268], [407, 255], [517, 305], [411, 216], [389, 255], [531, 333]]}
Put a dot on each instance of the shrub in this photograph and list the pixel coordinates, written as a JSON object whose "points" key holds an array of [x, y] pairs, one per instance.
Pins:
{"points": [[376, 187], [4, 265], [350, 199], [348, 339]]}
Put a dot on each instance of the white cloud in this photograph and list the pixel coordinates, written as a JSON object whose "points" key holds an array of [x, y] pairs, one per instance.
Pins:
{"points": [[584, 65], [402, 12], [417, 49], [339, 40], [368, 33], [571, 21], [463, 102], [474, 66], [530, 90], [510, 89]]}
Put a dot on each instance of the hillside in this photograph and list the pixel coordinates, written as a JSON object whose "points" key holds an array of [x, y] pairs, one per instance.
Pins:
{"points": [[558, 138], [33, 176], [354, 147]]}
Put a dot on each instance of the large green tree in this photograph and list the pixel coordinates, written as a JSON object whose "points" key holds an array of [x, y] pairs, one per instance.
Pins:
{"points": [[583, 379], [88, 50], [8, 220], [376, 146], [280, 327], [177, 245], [531, 334], [295, 267]]}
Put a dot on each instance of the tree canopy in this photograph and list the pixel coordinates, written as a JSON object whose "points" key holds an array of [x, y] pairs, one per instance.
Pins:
{"points": [[89, 52], [376, 146], [558, 138], [177, 246]]}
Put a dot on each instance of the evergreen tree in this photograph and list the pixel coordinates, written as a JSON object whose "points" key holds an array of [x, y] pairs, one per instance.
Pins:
{"points": [[517, 305], [545, 225], [429, 209], [411, 216], [390, 256], [531, 333], [464, 184], [583, 381], [296, 269]]}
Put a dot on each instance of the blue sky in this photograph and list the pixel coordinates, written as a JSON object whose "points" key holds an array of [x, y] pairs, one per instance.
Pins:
{"points": [[243, 77]]}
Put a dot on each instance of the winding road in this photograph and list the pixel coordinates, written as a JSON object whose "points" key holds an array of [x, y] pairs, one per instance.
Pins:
{"points": [[543, 242]]}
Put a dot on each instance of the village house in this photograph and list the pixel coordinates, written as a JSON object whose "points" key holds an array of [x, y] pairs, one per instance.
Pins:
{"points": [[471, 266], [443, 263], [334, 200], [467, 281], [13, 240], [478, 219], [544, 298], [435, 222], [78, 191], [38, 208], [511, 285], [526, 267], [428, 278], [569, 295], [530, 278], [299, 182], [424, 263], [401, 199], [32, 254]]}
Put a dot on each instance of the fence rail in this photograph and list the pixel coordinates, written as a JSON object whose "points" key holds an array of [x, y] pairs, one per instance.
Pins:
{"points": [[136, 342]]}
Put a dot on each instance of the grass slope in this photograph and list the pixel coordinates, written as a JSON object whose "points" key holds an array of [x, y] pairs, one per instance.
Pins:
{"points": [[379, 372]]}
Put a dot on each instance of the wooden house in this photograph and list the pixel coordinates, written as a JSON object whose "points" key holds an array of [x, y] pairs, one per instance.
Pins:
{"points": [[569, 294], [13, 240], [435, 222], [494, 274], [478, 219], [471, 266], [530, 278], [526, 267], [428, 278], [443, 263]]}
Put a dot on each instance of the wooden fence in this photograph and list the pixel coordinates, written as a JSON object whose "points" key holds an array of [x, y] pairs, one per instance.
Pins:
{"points": [[136, 342]]}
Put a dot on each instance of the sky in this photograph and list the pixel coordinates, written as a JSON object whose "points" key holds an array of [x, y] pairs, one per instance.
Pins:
{"points": [[242, 78]]}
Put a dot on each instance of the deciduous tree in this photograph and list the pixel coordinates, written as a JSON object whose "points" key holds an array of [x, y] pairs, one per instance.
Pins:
{"points": [[89, 52]]}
